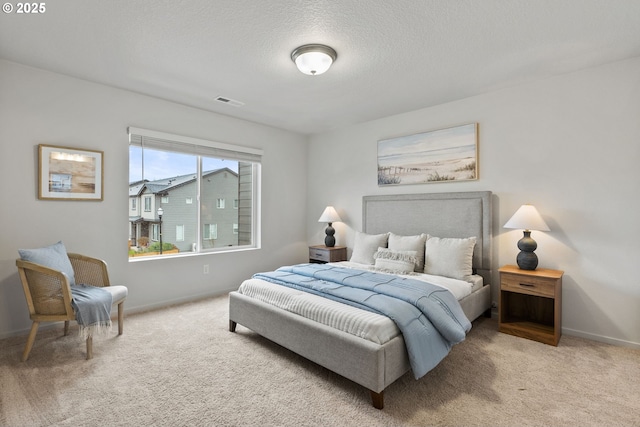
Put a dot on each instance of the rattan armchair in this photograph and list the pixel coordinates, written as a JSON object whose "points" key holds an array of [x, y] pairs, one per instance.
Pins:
{"points": [[48, 293]]}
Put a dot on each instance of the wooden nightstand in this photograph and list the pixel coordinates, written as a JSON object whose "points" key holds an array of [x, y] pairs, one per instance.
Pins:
{"points": [[321, 254], [531, 303]]}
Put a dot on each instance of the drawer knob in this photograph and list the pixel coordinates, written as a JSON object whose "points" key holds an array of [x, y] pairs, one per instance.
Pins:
{"points": [[527, 285]]}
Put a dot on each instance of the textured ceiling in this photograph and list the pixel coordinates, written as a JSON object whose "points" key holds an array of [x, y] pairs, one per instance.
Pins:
{"points": [[393, 56]]}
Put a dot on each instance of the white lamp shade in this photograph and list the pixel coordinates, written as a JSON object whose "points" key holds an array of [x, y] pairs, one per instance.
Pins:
{"points": [[329, 215], [527, 218]]}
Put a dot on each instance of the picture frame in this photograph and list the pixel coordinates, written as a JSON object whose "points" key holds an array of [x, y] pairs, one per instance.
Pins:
{"points": [[443, 155], [66, 173]]}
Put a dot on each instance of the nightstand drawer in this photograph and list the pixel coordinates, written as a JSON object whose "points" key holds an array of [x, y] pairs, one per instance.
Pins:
{"points": [[527, 285], [319, 255], [322, 254]]}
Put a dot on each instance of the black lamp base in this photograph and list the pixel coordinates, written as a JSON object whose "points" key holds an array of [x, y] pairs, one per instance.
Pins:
{"points": [[329, 240], [527, 259]]}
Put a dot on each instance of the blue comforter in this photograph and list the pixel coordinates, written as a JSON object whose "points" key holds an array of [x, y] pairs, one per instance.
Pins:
{"points": [[429, 317]]}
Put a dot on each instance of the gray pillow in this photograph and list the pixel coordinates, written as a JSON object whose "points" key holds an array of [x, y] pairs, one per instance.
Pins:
{"points": [[54, 256]]}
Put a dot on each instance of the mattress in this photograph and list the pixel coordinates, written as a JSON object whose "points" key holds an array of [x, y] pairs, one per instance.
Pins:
{"points": [[371, 326]]}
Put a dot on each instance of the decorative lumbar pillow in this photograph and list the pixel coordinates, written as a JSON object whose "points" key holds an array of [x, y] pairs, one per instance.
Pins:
{"points": [[449, 257], [365, 245], [410, 243], [54, 256], [398, 262]]}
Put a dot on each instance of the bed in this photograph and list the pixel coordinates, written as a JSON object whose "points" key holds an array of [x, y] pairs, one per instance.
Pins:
{"points": [[376, 365]]}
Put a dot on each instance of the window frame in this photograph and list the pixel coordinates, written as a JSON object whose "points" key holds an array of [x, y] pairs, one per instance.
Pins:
{"points": [[180, 232], [249, 158]]}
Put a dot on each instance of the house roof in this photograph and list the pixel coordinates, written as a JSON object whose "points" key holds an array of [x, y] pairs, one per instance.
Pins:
{"points": [[167, 184], [136, 219]]}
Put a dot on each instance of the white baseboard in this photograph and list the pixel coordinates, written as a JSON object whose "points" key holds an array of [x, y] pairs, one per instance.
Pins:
{"points": [[127, 311], [600, 338], [586, 335]]}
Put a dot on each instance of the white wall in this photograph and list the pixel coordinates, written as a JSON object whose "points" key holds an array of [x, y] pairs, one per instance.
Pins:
{"points": [[569, 145], [42, 107]]}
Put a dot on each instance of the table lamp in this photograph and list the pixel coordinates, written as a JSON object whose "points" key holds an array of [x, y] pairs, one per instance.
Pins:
{"points": [[527, 218], [330, 216]]}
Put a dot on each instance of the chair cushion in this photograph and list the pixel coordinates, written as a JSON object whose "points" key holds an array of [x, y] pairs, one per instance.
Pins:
{"points": [[54, 256], [118, 293]]}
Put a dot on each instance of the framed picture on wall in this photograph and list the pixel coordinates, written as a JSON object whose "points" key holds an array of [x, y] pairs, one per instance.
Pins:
{"points": [[449, 154], [66, 173]]}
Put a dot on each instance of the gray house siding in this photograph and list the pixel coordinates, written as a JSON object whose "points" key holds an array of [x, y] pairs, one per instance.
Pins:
{"points": [[180, 209], [245, 190], [220, 185], [178, 212]]}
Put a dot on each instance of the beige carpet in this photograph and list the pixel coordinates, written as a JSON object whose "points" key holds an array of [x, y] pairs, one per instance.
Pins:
{"points": [[180, 366]]}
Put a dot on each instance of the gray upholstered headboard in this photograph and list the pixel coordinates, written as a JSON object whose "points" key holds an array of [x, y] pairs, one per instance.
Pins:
{"points": [[464, 214]]}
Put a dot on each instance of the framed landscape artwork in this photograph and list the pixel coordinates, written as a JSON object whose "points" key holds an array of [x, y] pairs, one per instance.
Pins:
{"points": [[449, 154], [69, 174]]}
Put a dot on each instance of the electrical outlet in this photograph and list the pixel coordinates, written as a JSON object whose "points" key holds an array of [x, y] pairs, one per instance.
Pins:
{"points": [[205, 269]]}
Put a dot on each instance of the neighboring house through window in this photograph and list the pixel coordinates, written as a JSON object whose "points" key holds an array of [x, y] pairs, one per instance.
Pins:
{"points": [[166, 167]]}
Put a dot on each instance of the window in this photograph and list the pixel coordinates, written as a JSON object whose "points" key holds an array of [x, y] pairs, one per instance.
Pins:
{"points": [[155, 232], [204, 174], [133, 204], [210, 231]]}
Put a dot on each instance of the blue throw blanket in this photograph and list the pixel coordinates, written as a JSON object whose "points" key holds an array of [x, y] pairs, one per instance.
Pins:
{"points": [[93, 309], [429, 317]]}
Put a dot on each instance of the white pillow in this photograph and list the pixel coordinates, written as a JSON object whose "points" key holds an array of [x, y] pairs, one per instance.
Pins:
{"points": [[365, 245], [410, 243], [397, 262], [449, 257]]}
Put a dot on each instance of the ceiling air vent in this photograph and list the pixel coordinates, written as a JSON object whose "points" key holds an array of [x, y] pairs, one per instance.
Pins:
{"points": [[229, 101]]}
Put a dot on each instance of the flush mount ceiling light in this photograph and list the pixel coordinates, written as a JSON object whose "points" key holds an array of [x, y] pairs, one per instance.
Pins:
{"points": [[313, 59]]}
